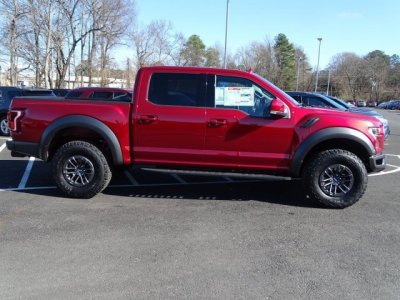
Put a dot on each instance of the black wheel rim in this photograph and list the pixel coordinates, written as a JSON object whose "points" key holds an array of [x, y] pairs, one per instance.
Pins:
{"points": [[78, 171], [336, 180], [4, 126]]}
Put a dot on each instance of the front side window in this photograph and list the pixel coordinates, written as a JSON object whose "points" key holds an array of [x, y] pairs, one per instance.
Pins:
{"points": [[177, 89], [242, 94], [315, 102]]}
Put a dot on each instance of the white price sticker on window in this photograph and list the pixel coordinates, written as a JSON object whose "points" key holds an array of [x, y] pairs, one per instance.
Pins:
{"points": [[234, 96]]}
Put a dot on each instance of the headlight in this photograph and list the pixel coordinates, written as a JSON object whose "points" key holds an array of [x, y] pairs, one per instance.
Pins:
{"points": [[375, 131]]}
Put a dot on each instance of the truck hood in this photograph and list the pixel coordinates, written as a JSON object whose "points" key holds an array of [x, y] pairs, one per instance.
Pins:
{"points": [[340, 114]]}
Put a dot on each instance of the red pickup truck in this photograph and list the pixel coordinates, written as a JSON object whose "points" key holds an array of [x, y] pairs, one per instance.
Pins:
{"points": [[204, 120]]}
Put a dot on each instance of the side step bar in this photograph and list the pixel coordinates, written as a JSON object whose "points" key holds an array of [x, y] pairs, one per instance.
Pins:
{"points": [[211, 173]]}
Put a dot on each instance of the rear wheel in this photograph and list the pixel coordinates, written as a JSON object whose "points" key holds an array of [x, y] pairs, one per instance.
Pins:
{"points": [[4, 129], [80, 169], [336, 178]]}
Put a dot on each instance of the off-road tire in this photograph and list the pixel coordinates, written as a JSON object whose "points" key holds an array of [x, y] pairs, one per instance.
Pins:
{"points": [[317, 167], [99, 175], [4, 130]]}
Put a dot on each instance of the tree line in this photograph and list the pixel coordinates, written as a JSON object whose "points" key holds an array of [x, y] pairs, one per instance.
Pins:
{"points": [[57, 39]]}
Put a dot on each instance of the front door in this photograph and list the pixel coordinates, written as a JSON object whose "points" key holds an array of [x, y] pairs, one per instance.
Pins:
{"points": [[240, 131]]}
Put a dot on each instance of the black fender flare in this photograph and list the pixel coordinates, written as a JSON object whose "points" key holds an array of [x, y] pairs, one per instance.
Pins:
{"points": [[81, 121], [324, 135]]}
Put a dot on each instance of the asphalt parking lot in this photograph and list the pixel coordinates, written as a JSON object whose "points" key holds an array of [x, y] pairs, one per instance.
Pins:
{"points": [[169, 236]]}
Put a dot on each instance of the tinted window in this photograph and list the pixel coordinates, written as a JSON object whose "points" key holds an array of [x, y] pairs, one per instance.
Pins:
{"points": [[242, 94], [120, 96], [177, 89], [297, 98], [74, 94], [38, 93], [102, 95], [314, 101]]}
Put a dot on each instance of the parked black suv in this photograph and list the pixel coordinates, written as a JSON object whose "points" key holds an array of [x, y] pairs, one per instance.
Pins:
{"points": [[7, 93]]}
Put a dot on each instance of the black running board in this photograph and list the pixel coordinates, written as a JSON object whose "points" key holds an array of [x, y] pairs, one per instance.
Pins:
{"points": [[212, 173]]}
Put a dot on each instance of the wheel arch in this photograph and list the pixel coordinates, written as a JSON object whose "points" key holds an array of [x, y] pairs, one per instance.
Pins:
{"points": [[78, 126], [332, 138]]}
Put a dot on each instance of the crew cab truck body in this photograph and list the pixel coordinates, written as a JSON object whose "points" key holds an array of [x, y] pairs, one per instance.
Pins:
{"points": [[200, 119]]}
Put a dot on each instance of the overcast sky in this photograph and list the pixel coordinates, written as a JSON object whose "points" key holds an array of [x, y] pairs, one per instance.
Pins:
{"points": [[358, 26]]}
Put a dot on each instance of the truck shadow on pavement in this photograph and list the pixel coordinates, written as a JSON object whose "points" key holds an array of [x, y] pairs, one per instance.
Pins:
{"points": [[282, 192], [287, 193]]}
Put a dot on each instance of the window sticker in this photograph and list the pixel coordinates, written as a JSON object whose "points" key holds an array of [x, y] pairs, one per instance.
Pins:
{"points": [[234, 96]]}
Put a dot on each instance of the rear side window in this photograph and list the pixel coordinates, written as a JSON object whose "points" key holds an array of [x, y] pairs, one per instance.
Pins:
{"points": [[177, 89]]}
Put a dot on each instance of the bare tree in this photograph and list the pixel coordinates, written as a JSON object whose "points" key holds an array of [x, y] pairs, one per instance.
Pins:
{"points": [[71, 34], [258, 57], [155, 44], [13, 12], [349, 71], [116, 30]]}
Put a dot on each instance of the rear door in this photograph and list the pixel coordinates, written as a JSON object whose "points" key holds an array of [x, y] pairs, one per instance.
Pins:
{"points": [[170, 121]]}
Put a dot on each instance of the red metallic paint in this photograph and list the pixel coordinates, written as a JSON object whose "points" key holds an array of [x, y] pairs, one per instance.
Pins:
{"points": [[197, 136]]}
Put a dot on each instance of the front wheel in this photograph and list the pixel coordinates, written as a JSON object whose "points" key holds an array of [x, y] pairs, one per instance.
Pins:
{"points": [[4, 129], [336, 178], [80, 169]]}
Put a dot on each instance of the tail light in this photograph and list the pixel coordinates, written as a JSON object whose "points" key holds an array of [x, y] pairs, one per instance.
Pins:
{"points": [[14, 117]]}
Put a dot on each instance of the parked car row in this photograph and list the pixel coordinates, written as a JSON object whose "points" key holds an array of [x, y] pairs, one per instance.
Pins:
{"points": [[363, 103], [392, 104]]}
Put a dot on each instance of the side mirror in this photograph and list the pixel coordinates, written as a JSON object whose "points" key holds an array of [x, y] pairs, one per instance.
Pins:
{"points": [[279, 109]]}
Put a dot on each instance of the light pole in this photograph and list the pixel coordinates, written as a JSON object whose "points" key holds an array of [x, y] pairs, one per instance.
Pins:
{"points": [[298, 72], [226, 31], [319, 51], [329, 81]]}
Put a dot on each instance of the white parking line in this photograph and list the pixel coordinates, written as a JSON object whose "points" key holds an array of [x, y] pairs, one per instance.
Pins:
{"points": [[2, 147], [27, 172], [397, 169], [29, 188], [131, 179], [395, 155], [178, 178], [4, 138]]}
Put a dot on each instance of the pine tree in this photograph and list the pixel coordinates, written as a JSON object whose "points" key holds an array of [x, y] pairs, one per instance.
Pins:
{"points": [[285, 59]]}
